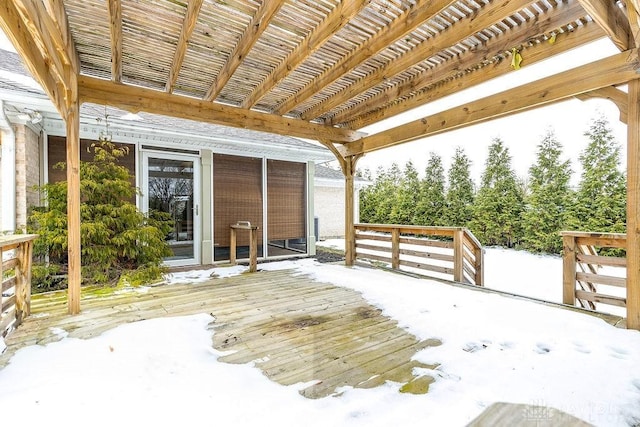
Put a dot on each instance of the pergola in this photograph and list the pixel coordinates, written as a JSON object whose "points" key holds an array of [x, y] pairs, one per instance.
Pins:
{"points": [[322, 70]]}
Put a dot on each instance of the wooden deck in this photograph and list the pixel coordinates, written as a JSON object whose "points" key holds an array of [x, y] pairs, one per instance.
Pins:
{"points": [[294, 329]]}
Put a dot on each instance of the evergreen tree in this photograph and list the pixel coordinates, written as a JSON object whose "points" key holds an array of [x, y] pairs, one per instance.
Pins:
{"points": [[550, 198], [116, 238], [406, 196], [430, 207], [377, 200], [601, 197], [499, 203], [459, 198]]}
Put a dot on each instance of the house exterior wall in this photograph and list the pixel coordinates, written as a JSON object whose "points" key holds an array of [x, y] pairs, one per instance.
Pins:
{"points": [[329, 208], [27, 172]]}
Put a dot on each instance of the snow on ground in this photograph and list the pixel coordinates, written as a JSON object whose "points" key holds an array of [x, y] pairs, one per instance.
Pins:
{"points": [[165, 372]]}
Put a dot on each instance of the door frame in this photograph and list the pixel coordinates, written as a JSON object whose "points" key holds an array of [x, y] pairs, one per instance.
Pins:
{"points": [[146, 154]]}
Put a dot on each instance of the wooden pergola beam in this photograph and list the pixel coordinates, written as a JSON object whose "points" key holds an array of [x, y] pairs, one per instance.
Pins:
{"points": [[612, 20], [38, 64], [188, 25], [335, 20], [50, 22], [259, 23], [43, 41], [633, 16], [420, 12], [458, 32], [614, 70], [115, 21], [135, 99], [613, 94], [516, 37]]}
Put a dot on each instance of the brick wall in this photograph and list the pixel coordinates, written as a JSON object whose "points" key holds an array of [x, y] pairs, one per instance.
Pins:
{"points": [[27, 172]]}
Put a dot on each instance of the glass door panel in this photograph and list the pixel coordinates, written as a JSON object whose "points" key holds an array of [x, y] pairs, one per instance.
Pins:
{"points": [[170, 188]]}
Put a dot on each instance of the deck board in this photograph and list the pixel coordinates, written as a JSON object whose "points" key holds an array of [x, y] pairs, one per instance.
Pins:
{"points": [[295, 329]]}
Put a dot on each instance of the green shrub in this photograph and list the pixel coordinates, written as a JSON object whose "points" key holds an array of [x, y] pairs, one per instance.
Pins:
{"points": [[116, 237]]}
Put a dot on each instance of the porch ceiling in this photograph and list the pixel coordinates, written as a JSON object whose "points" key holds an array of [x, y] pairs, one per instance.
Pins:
{"points": [[314, 69]]}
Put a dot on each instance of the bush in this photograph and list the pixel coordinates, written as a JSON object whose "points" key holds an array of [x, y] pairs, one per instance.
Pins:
{"points": [[118, 241]]}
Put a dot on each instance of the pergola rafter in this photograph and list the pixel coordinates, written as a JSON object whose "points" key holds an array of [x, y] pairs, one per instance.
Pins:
{"points": [[457, 33], [525, 38], [323, 70]]}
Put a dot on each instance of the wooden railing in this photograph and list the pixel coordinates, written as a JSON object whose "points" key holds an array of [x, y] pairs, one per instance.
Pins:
{"points": [[582, 271], [455, 253], [15, 277]]}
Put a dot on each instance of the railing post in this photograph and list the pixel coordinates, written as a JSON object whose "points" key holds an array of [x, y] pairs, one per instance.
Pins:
{"points": [[232, 246], [23, 282], [478, 254], [458, 256], [395, 248], [568, 270]]}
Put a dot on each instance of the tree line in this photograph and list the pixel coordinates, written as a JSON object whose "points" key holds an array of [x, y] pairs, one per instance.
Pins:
{"points": [[505, 210]]}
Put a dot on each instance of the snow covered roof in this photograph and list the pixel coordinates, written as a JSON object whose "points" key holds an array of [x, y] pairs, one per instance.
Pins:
{"points": [[15, 82]]}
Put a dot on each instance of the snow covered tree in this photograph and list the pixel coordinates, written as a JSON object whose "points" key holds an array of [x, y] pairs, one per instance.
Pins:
{"points": [[549, 198], [404, 207], [430, 207], [601, 197], [499, 203], [459, 198]]}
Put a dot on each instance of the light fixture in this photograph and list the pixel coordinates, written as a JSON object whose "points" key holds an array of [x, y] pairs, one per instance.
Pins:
{"points": [[105, 135]]}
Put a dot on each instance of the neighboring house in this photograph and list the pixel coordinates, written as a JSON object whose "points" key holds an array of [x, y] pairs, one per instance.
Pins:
{"points": [[208, 177], [329, 201]]}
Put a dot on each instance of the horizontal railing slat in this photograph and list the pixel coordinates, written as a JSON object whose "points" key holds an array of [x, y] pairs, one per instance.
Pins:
{"points": [[8, 283], [380, 237], [7, 302], [9, 264], [609, 261], [601, 298], [602, 279], [427, 242], [428, 267], [373, 257], [371, 247], [430, 255], [603, 241]]}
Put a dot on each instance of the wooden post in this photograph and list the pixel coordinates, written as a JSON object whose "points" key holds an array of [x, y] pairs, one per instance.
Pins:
{"points": [[633, 210], [349, 232], [73, 201], [253, 249], [253, 244], [569, 270], [478, 254], [395, 248], [458, 256], [23, 281], [232, 246]]}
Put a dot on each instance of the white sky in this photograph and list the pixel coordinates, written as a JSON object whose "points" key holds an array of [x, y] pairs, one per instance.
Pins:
{"points": [[165, 372], [521, 132]]}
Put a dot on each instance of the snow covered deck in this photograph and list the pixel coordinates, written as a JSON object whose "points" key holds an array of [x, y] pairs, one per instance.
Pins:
{"points": [[255, 349], [294, 329]]}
